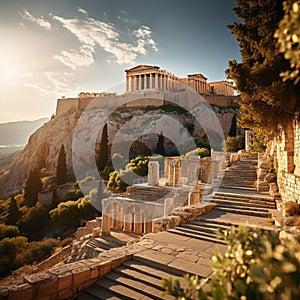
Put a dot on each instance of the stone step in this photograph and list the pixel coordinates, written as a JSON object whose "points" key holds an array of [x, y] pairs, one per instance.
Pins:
{"points": [[265, 198], [249, 188], [243, 203], [203, 227], [120, 290], [98, 292], [196, 235], [245, 211]]}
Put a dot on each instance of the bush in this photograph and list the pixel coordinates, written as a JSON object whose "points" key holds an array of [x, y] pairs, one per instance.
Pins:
{"points": [[8, 231], [234, 143], [73, 195], [256, 265], [65, 242], [33, 219], [292, 208], [202, 152]]}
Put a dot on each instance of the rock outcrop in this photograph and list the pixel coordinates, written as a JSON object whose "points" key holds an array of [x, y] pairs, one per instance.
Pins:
{"points": [[125, 125]]}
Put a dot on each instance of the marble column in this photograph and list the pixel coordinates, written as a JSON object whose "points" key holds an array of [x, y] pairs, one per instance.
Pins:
{"points": [[145, 82], [140, 82], [127, 84], [150, 81], [156, 81]]}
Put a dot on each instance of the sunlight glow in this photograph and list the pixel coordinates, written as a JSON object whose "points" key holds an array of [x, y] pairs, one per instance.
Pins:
{"points": [[9, 66]]}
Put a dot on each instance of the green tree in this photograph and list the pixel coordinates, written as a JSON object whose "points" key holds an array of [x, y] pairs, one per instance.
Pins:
{"points": [[8, 231], [160, 146], [232, 130], [234, 143], [61, 168], [265, 101], [33, 186], [288, 35], [102, 152], [13, 212]]}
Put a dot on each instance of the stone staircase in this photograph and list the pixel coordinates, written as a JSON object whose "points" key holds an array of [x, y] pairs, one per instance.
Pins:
{"points": [[134, 279], [258, 205], [241, 174]]}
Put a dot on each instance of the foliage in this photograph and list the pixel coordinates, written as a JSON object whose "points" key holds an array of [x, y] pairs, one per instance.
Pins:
{"points": [[11, 250], [266, 100], [288, 35], [102, 152], [65, 242], [234, 143], [61, 167], [202, 152], [33, 186], [193, 144], [259, 141], [33, 219], [119, 181], [256, 265], [73, 195], [8, 231], [291, 208], [232, 130], [160, 146], [45, 173], [70, 212], [17, 251], [13, 212]]}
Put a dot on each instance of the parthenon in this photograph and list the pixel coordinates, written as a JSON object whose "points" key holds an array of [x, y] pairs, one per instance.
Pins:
{"points": [[146, 77]]}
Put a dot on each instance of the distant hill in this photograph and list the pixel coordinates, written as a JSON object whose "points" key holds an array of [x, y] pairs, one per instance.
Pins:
{"points": [[17, 133]]}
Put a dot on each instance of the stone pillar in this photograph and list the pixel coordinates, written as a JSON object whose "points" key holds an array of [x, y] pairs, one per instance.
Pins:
{"points": [[150, 83], [148, 226], [127, 84], [161, 82], [248, 138], [128, 222], [156, 81], [140, 82], [153, 173], [145, 82], [168, 206], [106, 223], [138, 223]]}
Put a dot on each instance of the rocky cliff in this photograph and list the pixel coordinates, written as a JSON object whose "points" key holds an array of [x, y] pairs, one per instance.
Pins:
{"points": [[124, 126]]}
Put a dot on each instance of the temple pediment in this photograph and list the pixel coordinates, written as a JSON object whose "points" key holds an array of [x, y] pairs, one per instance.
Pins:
{"points": [[142, 68], [199, 75]]}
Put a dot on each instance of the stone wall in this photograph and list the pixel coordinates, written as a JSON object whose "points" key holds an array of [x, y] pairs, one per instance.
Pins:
{"points": [[286, 152]]}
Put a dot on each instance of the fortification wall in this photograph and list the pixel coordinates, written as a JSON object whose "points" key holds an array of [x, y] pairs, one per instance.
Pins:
{"points": [[141, 99]]}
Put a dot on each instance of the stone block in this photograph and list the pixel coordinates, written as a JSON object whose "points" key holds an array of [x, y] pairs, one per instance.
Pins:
{"points": [[48, 288], [65, 294], [23, 291], [37, 278], [80, 275], [65, 281], [104, 267]]}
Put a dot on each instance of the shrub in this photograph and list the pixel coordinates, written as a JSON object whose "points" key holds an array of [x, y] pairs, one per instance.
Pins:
{"points": [[8, 231], [65, 242], [202, 152], [256, 265], [234, 143], [291, 208]]}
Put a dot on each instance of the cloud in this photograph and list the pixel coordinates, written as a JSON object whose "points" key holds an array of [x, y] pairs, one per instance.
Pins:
{"points": [[52, 83], [94, 33], [82, 11], [74, 58], [40, 21]]}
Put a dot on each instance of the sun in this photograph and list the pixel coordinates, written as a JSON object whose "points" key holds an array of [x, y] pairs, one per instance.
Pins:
{"points": [[9, 66]]}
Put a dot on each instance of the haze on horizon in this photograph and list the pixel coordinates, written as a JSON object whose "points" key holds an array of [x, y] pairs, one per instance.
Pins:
{"points": [[61, 48]]}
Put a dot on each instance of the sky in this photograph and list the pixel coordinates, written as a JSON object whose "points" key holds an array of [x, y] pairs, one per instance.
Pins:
{"points": [[50, 49]]}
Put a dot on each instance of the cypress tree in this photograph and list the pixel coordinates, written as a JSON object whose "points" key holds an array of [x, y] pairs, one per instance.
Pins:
{"points": [[13, 212], [102, 152], [232, 131], [266, 100], [33, 186], [61, 168], [160, 147]]}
